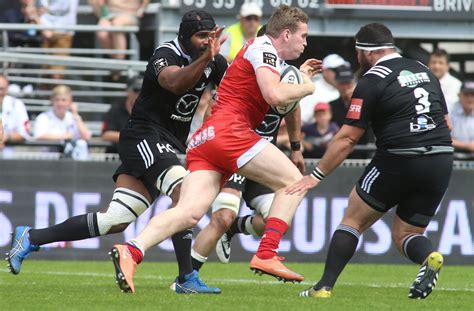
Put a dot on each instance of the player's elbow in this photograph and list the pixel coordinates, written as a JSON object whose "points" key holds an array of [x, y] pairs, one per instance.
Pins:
{"points": [[272, 98]]}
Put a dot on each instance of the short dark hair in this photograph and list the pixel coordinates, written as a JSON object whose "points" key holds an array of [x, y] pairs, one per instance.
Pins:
{"points": [[440, 53], [374, 33]]}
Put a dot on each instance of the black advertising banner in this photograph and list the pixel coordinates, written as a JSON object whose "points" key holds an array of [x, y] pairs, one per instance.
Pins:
{"points": [[426, 9], [43, 193]]}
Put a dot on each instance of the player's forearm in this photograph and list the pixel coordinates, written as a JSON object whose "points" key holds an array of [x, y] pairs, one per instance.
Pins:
{"points": [[286, 94], [183, 79], [337, 151], [293, 125]]}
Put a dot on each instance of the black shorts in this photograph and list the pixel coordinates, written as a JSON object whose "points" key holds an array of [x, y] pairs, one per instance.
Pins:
{"points": [[249, 188], [415, 184], [145, 153]]}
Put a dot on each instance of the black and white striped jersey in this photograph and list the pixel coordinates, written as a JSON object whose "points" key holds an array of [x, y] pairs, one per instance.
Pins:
{"points": [[160, 107], [402, 101]]}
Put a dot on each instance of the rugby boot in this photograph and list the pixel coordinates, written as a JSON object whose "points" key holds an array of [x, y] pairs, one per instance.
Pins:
{"points": [[20, 248], [275, 268], [427, 276], [125, 267]]}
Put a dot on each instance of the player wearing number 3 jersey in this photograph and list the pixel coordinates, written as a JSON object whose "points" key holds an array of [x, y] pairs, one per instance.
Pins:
{"points": [[402, 100]]}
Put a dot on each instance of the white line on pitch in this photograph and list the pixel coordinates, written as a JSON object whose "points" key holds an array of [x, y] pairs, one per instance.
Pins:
{"points": [[167, 280]]}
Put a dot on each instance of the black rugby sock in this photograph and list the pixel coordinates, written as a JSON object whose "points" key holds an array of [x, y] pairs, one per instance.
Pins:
{"points": [[417, 247], [73, 229], [342, 248], [238, 226], [197, 264], [182, 248]]}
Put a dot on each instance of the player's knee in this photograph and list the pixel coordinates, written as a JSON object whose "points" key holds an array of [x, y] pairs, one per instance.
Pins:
{"points": [[125, 207], [168, 182], [222, 219], [191, 220]]}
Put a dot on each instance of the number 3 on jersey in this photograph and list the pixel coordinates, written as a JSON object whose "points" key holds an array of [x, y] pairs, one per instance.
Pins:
{"points": [[424, 104]]}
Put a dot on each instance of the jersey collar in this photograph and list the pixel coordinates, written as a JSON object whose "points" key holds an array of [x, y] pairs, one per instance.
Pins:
{"points": [[388, 57], [176, 42]]}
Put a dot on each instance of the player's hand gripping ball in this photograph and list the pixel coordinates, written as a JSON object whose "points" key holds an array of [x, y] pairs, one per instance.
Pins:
{"points": [[290, 75]]}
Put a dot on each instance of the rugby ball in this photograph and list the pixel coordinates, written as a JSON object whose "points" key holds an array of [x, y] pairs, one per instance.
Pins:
{"points": [[290, 74]]}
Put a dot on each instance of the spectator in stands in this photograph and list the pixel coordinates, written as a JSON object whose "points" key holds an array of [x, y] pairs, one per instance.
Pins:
{"points": [[462, 118], [319, 134], [345, 85], [63, 123], [117, 117], [117, 13], [439, 65], [19, 12], [325, 86], [58, 13], [239, 33], [13, 115]]}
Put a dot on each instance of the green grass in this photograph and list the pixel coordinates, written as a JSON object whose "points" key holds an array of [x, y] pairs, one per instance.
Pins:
{"points": [[79, 285]]}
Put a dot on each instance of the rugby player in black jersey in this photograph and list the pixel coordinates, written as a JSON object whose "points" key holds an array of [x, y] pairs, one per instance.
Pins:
{"points": [[175, 78], [402, 101]]}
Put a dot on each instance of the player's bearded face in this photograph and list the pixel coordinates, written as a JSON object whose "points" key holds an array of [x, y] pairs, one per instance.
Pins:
{"points": [[362, 57], [199, 44]]}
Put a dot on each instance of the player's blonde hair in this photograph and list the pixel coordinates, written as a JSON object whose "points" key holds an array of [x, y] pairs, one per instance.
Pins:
{"points": [[285, 17], [61, 90]]}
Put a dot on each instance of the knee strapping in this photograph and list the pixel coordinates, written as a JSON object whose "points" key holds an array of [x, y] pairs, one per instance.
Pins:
{"points": [[170, 178], [125, 207], [226, 200], [262, 204]]}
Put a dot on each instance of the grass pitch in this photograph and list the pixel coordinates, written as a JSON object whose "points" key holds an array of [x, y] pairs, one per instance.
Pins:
{"points": [[79, 285]]}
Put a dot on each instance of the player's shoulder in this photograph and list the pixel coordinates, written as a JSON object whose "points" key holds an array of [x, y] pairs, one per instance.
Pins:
{"points": [[262, 42], [168, 48]]}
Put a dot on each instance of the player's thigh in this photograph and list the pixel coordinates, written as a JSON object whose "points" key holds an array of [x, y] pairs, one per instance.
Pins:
{"points": [[198, 191], [133, 183], [148, 156], [272, 168], [359, 214]]}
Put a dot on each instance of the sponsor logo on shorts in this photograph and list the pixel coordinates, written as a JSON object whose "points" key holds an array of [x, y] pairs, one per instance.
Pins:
{"points": [[204, 135], [236, 178], [410, 79], [355, 109], [165, 148], [269, 59]]}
